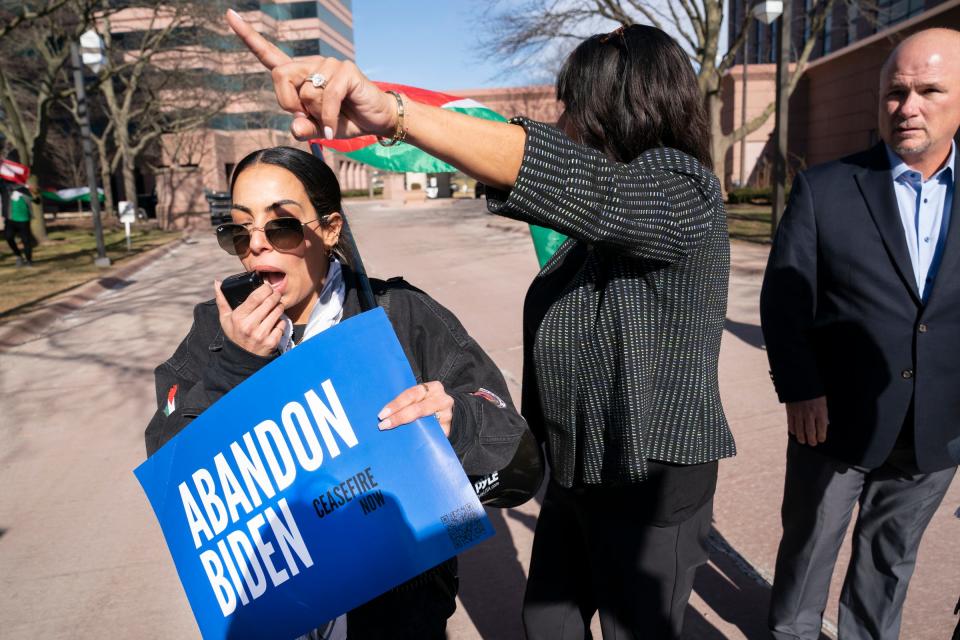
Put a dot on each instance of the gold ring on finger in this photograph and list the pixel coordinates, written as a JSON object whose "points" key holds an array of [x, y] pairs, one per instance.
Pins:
{"points": [[318, 80]]}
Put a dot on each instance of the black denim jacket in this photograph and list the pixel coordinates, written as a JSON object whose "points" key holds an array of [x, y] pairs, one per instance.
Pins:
{"points": [[484, 434]]}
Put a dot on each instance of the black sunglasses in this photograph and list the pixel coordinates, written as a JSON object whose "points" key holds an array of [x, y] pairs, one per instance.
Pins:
{"points": [[284, 234]]}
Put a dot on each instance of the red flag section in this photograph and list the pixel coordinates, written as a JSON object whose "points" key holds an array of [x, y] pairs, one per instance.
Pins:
{"points": [[14, 171], [423, 96]]}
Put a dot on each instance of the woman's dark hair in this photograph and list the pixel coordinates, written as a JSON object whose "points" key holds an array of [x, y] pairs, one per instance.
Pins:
{"points": [[632, 90], [317, 178]]}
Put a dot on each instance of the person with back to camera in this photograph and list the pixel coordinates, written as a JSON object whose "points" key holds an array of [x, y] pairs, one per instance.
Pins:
{"points": [[621, 328], [286, 226]]}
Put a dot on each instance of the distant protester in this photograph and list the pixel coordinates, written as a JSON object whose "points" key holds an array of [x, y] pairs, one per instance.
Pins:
{"points": [[18, 224], [621, 328], [286, 213]]}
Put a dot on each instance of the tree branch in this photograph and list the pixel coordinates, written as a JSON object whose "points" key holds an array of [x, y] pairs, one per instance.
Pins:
{"points": [[728, 60], [818, 18], [28, 16]]}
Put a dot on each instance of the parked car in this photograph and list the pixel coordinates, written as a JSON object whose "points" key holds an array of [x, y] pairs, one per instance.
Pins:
{"points": [[219, 202]]}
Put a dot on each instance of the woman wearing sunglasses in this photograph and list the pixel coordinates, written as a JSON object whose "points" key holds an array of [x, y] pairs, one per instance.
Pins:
{"points": [[286, 227], [622, 327]]}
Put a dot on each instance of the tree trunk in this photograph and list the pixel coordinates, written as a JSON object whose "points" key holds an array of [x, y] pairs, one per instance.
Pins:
{"points": [[38, 226], [164, 217], [109, 206], [129, 179], [719, 142]]}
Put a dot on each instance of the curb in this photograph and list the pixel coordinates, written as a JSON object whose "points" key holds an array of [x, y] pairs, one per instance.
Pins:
{"points": [[32, 324]]}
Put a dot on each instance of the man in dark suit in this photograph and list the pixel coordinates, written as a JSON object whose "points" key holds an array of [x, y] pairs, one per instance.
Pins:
{"points": [[861, 315]]}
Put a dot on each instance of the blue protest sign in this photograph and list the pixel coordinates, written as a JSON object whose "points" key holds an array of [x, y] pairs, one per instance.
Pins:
{"points": [[283, 505]]}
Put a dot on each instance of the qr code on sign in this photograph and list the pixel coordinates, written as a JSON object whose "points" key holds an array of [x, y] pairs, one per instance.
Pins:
{"points": [[464, 525]]}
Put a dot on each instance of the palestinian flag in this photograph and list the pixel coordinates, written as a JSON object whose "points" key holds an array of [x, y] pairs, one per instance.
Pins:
{"points": [[14, 171], [406, 157], [73, 194], [545, 242]]}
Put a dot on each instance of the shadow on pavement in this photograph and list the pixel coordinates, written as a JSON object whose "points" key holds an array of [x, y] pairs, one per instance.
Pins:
{"points": [[734, 590], [749, 333], [492, 582]]}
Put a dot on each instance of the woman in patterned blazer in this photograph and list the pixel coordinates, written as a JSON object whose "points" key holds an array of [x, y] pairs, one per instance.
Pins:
{"points": [[621, 328]]}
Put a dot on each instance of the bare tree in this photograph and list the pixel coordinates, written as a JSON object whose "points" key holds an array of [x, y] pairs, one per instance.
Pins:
{"points": [[183, 150], [34, 59], [63, 156], [150, 85], [520, 33]]}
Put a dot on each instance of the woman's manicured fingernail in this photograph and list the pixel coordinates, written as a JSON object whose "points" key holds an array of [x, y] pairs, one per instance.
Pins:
{"points": [[385, 412], [328, 133], [384, 424]]}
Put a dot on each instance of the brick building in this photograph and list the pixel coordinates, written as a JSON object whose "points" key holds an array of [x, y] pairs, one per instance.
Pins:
{"points": [[201, 161], [833, 111]]}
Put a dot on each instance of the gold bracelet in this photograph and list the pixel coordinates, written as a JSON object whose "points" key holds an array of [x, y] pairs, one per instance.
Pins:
{"points": [[400, 134]]}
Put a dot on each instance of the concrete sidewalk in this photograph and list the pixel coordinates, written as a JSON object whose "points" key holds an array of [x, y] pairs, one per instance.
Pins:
{"points": [[483, 281], [81, 555]]}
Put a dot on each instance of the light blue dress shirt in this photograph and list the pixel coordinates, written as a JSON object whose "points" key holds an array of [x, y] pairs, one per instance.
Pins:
{"points": [[925, 213]]}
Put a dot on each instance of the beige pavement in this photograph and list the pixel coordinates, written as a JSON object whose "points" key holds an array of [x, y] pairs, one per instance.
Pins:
{"points": [[80, 553]]}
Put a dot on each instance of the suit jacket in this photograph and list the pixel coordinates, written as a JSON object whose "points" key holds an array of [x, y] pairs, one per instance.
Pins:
{"points": [[842, 316]]}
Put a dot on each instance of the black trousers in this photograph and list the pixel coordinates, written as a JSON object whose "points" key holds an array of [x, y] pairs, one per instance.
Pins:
{"points": [[11, 230], [600, 550]]}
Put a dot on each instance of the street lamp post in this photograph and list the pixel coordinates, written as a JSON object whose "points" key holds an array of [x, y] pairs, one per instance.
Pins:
{"points": [[101, 260], [767, 12], [780, 129]]}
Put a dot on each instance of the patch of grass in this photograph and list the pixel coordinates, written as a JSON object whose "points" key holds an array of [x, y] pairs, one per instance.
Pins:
{"points": [[65, 261], [749, 222]]}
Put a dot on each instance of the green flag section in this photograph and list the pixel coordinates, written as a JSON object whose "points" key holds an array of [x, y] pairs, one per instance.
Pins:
{"points": [[545, 242], [75, 194], [404, 157]]}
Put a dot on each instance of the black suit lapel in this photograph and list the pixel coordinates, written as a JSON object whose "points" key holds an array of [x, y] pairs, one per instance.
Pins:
{"points": [[951, 248], [877, 189]]}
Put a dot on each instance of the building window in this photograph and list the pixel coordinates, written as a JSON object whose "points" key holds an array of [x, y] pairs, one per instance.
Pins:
{"points": [[179, 37], [338, 25], [250, 120], [890, 12], [303, 10], [853, 17], [311, 47], [774, 38], [828, 33]]}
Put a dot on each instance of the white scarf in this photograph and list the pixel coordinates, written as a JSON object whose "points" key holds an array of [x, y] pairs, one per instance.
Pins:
{"points": [[327, 311]]}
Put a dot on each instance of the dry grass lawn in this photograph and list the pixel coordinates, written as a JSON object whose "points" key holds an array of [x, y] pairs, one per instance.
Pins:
{"points": [[749, 222], [65, 261]]}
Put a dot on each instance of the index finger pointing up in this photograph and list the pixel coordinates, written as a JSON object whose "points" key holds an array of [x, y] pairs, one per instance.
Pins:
{"points": [[267, 53]]}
